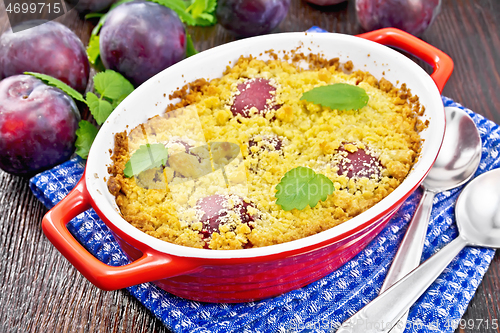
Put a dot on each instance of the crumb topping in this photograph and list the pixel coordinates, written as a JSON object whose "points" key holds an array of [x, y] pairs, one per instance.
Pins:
{"points": [[217, 189]]}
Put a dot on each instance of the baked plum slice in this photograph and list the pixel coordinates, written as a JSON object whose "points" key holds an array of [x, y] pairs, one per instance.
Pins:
{"points": [[257, 92], [188, 161], [268, 142], [179, 145], [215, 211], [355, 162]]}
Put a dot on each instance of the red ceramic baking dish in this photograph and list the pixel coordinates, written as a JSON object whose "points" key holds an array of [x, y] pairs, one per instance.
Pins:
{"points": [[255, 273]]}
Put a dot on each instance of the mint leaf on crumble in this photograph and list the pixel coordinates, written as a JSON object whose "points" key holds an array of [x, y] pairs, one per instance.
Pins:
{"points": [[301, 187]]}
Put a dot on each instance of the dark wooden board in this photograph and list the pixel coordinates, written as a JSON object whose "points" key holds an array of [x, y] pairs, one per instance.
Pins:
{"points": [[41, 292]]}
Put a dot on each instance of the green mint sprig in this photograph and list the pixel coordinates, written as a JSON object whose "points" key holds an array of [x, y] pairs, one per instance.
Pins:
{"points": [[148, 156], [301, 187], [112, 88], [338, 96]]}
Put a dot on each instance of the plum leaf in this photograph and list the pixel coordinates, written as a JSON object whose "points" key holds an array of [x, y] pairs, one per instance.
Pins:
{"points": [[203, 11], [179, 7], [190, 49], [51, 81], [113, 88], [93, 52], [197, 7], [148, 156], [94, 15], [112, 85], [85, 135], [302, 186], [206, 19], [100, 109], [339, 96], [211, 6]]}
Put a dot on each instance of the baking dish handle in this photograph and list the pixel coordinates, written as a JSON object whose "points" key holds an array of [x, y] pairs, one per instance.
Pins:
{"points": [[150, 267], [440, 61]]}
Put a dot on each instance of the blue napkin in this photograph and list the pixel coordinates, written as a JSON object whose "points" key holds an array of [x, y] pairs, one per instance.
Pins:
{"points": [[323, 305]]}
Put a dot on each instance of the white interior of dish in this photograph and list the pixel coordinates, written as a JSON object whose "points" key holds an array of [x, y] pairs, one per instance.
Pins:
{"points": [[149, 100]]}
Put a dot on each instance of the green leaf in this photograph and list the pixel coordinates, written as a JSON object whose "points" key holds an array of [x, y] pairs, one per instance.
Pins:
{"points": [[205, 20], [190, 50], [302, 186], [94, 15], [197, 7], [179, 7], [146, 157], [51, 81], [100, 109], [98, 26], [85, 135], [93, 52], [117, 102], [112, 88], [339, 96], [99, 66], [211, 5], [203, 12], [112, 85]]}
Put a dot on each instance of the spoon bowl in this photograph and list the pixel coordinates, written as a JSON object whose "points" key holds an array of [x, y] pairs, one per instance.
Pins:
{"points": [[478, 211], [459, 156]]}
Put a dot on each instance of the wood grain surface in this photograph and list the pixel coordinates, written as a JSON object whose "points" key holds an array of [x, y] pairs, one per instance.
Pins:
{"points": [[41, 292]]}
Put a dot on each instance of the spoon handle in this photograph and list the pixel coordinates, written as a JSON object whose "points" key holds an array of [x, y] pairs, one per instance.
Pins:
{"points": [[410, 251], [381, 314]]}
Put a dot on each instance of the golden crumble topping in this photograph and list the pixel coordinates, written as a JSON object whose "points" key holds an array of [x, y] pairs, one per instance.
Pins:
{"points": [[217, 189]]}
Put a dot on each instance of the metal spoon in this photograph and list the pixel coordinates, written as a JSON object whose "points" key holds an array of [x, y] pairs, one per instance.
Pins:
{"points": [[455, 165], [478, 218]]}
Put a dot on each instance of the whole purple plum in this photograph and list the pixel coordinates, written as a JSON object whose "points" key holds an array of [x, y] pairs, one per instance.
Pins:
{"points": [[140, 39], [247, 18], [413, 16], [258, 93], [37, 125], [325, 2], [87, 6], [49, 48]]}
